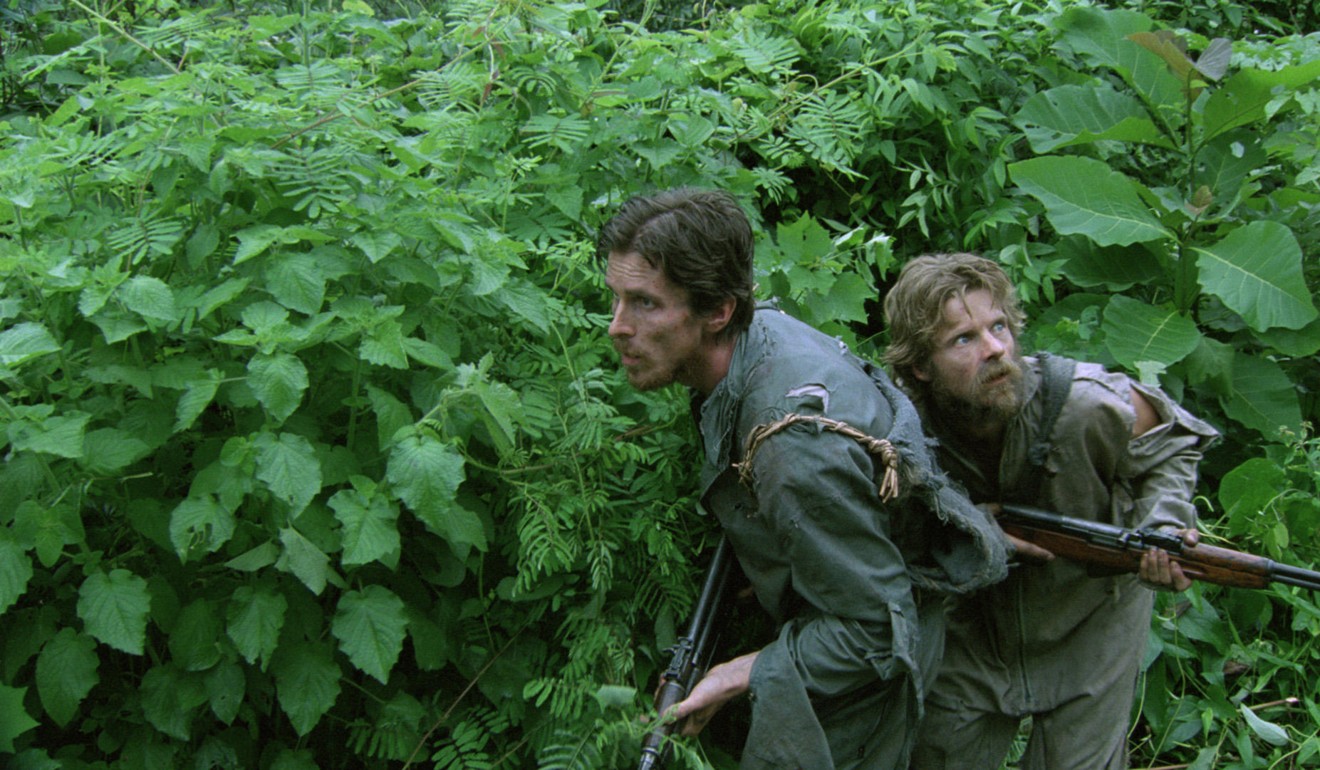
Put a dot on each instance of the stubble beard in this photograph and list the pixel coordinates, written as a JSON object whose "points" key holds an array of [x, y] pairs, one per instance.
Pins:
{"points": [[977, 407]]}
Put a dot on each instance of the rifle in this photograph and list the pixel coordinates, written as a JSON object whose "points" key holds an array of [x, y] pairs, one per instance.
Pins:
{"points": [[1107, 546], [691, 656]]}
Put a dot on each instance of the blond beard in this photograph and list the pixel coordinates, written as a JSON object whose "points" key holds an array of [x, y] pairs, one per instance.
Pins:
{"points": [[975, 409]]}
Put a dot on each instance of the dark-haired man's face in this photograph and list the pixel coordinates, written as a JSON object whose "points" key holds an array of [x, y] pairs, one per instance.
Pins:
{"points": [[658, 337], [974, 370]]}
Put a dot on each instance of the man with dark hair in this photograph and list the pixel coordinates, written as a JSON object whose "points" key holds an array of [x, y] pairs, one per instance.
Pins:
{"points": [[821, 479], [1051, 642]]}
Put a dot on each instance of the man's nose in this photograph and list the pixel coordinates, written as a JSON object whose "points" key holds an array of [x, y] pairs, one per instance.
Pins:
{"points": [[618, 326], [992, 346]]}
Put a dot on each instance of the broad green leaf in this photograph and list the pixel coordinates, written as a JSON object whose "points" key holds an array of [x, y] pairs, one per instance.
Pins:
{"points": [[254, 240], [226, 686], [200, 525], [1266, 731], [107, 451], [296, 282], [23, 342], [195, 398], [149, 297], [219, 296], [1245, 491], [1297, 343], [195, 638], [113, 607], [1103, 37], [255, 558], [1263, 397], [1115, 268], [15, 570], [1072, 115], [60, 435], [170, 698], [48, 528], [1257, 271], [289, 467], [376, 244], [253, 619], [306, 683], [383, 345], [391, 415], [1085, 197], [66, 673], [278, 381], [370, 626], [368, 521], [1136, 333], [1242, 99], [304, 560], [14, 719], [426, 473], [802, 242]]}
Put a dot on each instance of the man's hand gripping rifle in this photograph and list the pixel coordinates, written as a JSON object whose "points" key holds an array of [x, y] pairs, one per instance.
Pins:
{"points": [[1117, 548], [691, 657]]}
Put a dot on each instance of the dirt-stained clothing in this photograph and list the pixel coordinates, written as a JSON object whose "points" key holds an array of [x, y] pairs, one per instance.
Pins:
{"points": [[1052, 641], [840, 571]]}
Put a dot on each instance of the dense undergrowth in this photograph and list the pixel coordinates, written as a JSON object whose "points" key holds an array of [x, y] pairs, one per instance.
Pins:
{"points": [[315, 452]]}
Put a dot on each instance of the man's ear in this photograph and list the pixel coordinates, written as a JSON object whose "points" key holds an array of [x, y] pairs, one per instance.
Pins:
{"points": [[921, 373], [720, 316]]}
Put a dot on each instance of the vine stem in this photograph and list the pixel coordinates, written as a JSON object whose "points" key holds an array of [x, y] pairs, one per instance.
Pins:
{"points": [[126, 34], [449, 711]]}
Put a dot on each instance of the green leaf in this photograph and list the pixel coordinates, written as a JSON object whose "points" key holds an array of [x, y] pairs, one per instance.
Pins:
{"points": [[391, 414], [195, 398], [195, 638], [15, 570], [14, 719], [278, 381], [1115, 268], [368, 520], [1137, 333], [253, 619], [383, 345], [149, 297], [1257, 271], [170, 697], [376, 244], [1242, 99], [426, 473], [296, 282], [113, 607], [1085, 197], [226, 686], [306, 683], [48, 528], [1266, 731], [1263, 397], [1072, 115], [1246, 490], [60, 435], [289, 467], [66, 673], [109, 450], [200, 525], [370, 626], [304, 560], [23, 342], [1103, 38]]}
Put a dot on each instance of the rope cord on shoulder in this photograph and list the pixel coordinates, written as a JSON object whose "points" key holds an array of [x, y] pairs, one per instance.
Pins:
{"points": [[877, 446]]}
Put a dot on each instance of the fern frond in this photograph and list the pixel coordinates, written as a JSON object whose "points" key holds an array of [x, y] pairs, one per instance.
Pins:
{"points": [[566, 132], [464, 748], [143, 236], [175, 32], [764, 54], [320, 84], [830, 127]]}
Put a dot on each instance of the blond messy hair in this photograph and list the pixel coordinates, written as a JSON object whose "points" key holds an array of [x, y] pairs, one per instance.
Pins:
{"points": [[914, 308]]}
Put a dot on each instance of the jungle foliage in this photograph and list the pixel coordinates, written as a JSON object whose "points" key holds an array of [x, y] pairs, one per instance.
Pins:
{"points": [[315, 452]]}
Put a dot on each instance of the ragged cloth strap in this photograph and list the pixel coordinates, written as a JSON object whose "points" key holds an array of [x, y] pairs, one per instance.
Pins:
{"points": [[877, 446]]}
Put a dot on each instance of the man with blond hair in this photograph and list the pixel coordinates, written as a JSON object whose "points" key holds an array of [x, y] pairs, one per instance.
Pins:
{"points": [[1051, 642]]}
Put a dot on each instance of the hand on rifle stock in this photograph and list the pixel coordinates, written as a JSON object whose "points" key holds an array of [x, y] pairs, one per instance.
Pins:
{"points": [[1160, 572], [720, 685]]}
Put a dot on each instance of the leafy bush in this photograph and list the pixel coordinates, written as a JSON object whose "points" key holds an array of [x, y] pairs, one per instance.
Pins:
{"points": [[316, 454]]}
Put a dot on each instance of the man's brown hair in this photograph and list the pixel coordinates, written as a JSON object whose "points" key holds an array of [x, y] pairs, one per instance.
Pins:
{"points": [[914, 308]]}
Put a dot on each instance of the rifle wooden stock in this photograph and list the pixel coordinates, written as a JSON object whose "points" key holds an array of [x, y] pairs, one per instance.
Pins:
{"points": [[691, 657], [1117, 548]]}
